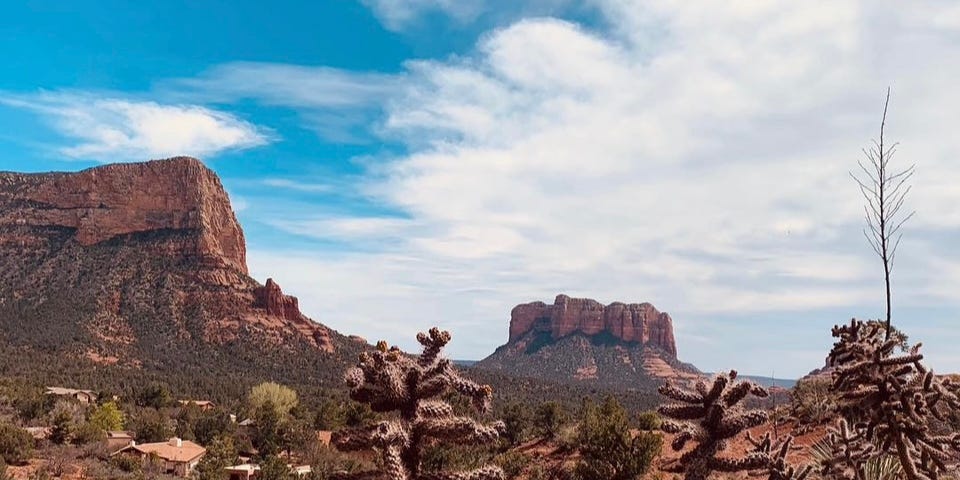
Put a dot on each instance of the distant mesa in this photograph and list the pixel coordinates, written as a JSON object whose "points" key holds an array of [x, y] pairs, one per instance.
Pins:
{"points": [[578, 339], [639, 323]]}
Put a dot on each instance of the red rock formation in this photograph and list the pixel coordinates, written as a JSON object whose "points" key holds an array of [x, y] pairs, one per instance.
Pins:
{"points": [[635, 322], [104, 202], [104, 237], [272, 299]]}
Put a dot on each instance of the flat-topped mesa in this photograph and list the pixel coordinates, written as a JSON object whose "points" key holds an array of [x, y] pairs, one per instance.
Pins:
{"points": [[636, 322], [104, 202]]}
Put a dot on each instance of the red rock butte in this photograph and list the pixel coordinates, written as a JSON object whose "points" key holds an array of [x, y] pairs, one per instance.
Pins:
{"points": [[174, 213], [111, 200], [638, 323]]}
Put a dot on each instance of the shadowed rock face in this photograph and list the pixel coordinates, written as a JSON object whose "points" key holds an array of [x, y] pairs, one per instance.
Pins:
{"points": [[631, 323], [139, 263]]}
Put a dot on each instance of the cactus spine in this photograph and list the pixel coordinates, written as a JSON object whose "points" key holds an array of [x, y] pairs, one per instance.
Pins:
{"points": [[390, 381]]}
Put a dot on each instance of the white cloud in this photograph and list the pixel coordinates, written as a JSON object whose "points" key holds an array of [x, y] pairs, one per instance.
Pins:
{"points": [[397, 14], [117, 129], [695, 156]]}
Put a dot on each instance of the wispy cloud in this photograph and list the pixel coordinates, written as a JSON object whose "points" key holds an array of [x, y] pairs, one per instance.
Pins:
{"points": [[112, 129], [339, 105], [284, 85], [398, 14]]}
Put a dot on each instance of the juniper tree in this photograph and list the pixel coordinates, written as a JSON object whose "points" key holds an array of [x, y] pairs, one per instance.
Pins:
{"points": [[390, 381], [710, 416], [889, 401]]}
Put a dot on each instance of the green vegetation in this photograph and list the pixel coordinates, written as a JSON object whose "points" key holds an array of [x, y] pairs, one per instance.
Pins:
{"points": [[609, 450], [16, 444], [549, 419], [107, 417]]}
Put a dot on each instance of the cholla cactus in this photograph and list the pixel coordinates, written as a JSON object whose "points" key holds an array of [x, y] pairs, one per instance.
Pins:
{"points": [[848, 452], [776, 453], [890, 400], [390, 381], [709, 417]]}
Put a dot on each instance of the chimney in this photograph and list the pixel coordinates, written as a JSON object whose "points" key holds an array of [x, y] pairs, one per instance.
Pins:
{"points": [[176, 442]]}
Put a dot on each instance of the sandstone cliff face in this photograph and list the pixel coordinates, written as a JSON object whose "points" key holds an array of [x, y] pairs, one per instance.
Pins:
{"points": [[636, 322], [104, 202], [140, 263]]}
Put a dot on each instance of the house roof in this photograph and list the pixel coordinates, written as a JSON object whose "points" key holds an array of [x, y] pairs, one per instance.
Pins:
{"points": [[186, 451], [252, 467], [68, 391], [199, 403]]}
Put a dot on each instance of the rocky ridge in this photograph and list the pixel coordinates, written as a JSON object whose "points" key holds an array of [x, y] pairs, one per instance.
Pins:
{"points": [[143, 265]]}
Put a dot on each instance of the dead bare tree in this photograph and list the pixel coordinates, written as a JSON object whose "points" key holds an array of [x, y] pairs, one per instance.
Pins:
{"points": [[885, 191]]}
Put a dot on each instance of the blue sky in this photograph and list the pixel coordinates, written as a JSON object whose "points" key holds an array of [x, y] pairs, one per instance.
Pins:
{"points": [[403, 163]]}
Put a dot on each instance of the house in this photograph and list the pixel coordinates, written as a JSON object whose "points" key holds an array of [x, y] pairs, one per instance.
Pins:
{"points": [[83, 396], [204, 405], [250, 471], [177, 457], [118, 439]]}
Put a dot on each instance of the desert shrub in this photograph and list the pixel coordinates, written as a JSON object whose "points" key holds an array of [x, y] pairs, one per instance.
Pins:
{"points": [[517, 422], [186, 421], [331, 416], [274, 468], [65, 418], [812, 401], [88, 433], [31, 403], [267, 432], [221, 453], [357, 414], [107, 417], [608, 450], [512, 463], [155, 395], [151, 426], [213, 424], [549, 419], [280, 397], [648, 420], [325, 462], [126, 463], [16, 444], [552, 472]]}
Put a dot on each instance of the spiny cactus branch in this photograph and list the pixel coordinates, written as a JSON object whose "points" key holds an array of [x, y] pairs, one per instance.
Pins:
{"points": [[889, 401], [709, 416], [390, 381]]}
